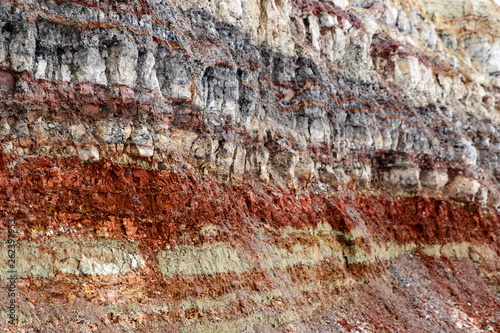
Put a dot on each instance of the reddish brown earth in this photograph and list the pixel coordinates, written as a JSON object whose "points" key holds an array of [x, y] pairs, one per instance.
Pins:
{"points": [[72, 192], [158, 208]]}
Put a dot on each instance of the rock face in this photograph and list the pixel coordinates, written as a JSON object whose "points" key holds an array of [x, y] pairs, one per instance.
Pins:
{"points": [[251, 166]]}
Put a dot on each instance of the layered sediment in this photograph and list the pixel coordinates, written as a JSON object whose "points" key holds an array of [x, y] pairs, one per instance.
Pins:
{"points": [[260, 166]]}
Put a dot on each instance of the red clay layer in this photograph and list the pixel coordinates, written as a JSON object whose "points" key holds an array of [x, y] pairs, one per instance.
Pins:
{"points": [[48, 192]]}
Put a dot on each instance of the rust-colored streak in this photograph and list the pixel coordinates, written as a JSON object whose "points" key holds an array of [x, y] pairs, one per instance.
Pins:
{"points": [[72, 192]]}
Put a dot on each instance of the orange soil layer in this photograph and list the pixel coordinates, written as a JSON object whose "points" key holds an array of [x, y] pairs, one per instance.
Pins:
{"points": [[158, 207]]}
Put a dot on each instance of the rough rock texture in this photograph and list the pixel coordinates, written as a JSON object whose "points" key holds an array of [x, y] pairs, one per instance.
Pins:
{"points": [[251, 166]]}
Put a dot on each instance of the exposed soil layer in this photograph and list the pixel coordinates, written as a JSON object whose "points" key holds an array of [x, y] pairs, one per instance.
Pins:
{"points": [[48, 193], [250, 166], [157, 210]]}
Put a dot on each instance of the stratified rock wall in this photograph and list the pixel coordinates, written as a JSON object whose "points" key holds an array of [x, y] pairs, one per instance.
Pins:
{"points": [[251, 166]]}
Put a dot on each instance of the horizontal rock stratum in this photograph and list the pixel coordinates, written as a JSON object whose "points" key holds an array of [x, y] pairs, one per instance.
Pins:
{"points": [[250, 166]]}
